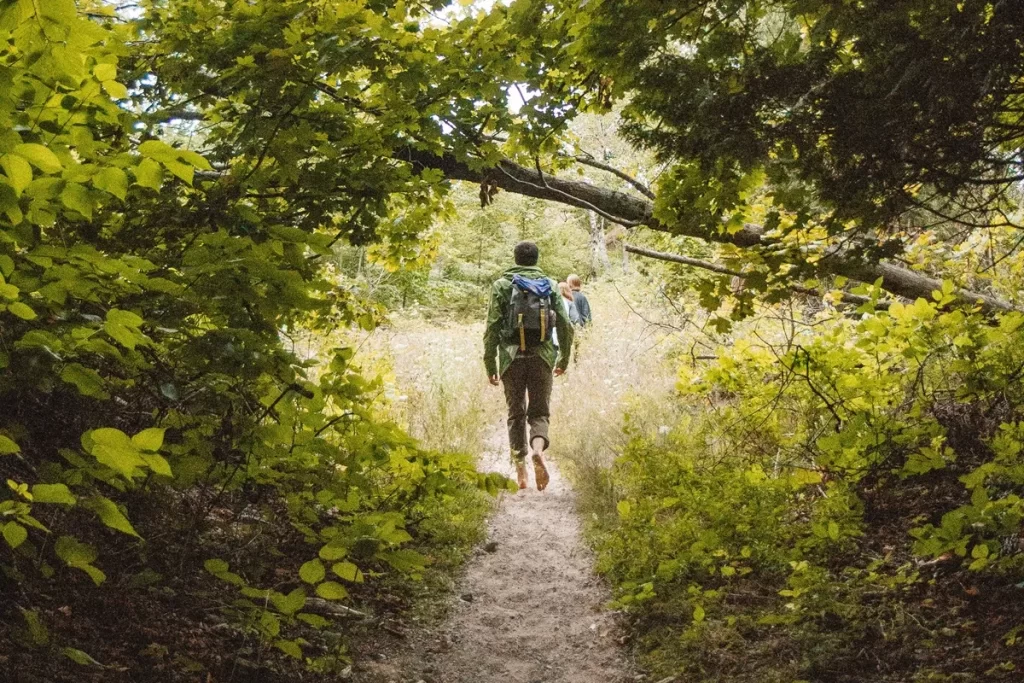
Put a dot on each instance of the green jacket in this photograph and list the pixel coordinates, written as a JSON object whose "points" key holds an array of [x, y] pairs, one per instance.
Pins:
{"points": [[499, 349]]}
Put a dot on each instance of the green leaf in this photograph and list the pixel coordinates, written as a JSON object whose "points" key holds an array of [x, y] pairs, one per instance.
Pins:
{"points": [[19, 172], [8, 447], [215, 566], [39, 156], [332, 551], [182, 170], [79, 657], [116, 90], [95, 574], [111, 515], [14, 533], [698, 614], [77, 198], [121, 317], [61, 11], [21, 310], [105, 72], [74, 552], [112, 180], [122, 335], [53, 493], [158, 464], [270, 624], [86, 380], [113, 448], [194, 158], [149, 174], [312, 571], [289, 647], [314, 620], [347, 571], [151, 439], [331, 590], [36, 628], [407, 561], [158, 150], [291, 603]]}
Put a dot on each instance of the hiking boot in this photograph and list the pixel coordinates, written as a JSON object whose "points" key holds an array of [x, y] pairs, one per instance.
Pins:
{"points": [[521, 475], [540, 472]]}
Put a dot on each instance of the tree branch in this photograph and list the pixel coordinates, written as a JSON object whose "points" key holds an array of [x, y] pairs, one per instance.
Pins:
{"points": [[635, 210], [846, 297], [640, 187]]}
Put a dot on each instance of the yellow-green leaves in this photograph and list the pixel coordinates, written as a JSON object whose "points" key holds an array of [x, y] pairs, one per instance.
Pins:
{"points": [[18, 171], [39, 156], [14, 534], [331, 590], [127, 456], [52, 493], [110, 515], [86, 380], [79, 556], [8, 446], [291, 603], [112, 180], [149, 174], [77, 198], [347, 571], [312, 571], [105, 72], [113, 448], [180, 162], [123, 327], [21, 310], [151, 439]]}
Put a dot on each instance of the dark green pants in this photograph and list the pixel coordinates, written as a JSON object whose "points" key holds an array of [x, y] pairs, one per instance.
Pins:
{"points": [[527, 385]]}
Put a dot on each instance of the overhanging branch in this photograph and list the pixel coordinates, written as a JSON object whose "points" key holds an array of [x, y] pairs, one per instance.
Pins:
{"points": [[635, 210], [846, 297]]}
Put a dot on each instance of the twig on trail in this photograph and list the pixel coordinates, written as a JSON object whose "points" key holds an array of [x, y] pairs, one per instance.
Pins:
{"points": [[323, 607]]}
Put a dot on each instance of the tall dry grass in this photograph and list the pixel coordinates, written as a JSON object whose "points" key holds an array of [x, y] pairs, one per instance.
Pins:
{"points": [[435, 384], [620, 367]]}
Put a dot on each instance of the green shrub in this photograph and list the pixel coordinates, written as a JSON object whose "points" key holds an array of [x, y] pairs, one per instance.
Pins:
{"points": [[838, 502]]}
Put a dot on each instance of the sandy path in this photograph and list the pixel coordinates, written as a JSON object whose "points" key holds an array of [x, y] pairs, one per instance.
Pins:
{"points": [[529, 611]]}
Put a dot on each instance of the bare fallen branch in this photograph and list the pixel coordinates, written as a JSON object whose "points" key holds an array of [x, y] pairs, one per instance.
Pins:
{"points": [[846, 297]]}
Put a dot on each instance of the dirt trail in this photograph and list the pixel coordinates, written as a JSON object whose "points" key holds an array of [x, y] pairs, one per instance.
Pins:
{"points": [[529, 611]]}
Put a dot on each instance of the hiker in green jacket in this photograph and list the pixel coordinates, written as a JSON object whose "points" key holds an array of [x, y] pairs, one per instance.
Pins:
{"points": [[518, 350]]}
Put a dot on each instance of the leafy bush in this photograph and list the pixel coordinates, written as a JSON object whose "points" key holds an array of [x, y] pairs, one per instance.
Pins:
{"points": [[168, 461], [838, 502]]}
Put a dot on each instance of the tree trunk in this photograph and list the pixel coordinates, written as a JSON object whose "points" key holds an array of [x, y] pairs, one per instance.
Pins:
{"points": [[598, 245]]}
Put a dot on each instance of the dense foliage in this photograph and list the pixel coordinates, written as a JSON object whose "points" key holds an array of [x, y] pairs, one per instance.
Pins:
{"points": [[838, 502], [167, 458], [189, 184]]}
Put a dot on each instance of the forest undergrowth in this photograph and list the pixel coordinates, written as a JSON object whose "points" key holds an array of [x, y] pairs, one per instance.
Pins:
{"points": [[828, 497], [817, 478]]}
